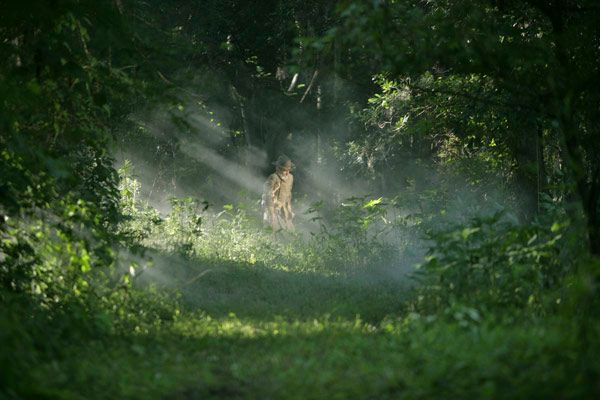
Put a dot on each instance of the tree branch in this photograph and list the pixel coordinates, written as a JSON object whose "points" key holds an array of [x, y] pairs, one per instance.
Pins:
{"points": [[312, 81]]}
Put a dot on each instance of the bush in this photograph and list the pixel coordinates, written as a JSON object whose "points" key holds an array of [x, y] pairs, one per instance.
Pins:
{"points": [[351, 233], [493, 263]]}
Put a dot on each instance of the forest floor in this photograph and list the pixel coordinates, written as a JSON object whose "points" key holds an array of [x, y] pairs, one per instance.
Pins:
{"points": [[257, 331]]}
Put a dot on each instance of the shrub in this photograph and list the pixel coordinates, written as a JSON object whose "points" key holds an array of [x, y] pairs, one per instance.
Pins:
{"points": [[492, 263]]}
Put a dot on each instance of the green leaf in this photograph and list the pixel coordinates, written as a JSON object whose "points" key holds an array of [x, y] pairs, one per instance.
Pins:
{"points": [[468, 232], [85, 261], [372, 203]]}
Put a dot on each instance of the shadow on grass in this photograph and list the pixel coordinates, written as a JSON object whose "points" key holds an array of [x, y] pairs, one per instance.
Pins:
{"points": [[222, 287], [338, 360]]}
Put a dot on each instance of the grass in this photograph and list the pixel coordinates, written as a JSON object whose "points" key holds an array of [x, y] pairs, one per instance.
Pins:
{"points": [[251, 331], [261, 291], [229, 357], [276, 319]]}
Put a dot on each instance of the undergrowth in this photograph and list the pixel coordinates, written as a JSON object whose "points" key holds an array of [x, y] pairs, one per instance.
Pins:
{"points": [[204, 304]]}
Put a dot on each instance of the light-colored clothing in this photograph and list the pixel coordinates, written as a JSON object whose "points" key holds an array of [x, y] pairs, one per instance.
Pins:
{"points": [[277, 201]]}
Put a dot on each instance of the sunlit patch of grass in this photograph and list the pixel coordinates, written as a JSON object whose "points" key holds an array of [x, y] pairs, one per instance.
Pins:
{"points": [[231, 326]]}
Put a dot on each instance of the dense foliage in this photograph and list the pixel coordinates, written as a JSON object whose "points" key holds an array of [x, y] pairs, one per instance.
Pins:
{"points": [[447, 199]]}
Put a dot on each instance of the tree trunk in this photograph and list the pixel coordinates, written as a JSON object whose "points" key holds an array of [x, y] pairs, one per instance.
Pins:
{"points": [[542, 176], [588, 191], [527, 175], [566, 95]]}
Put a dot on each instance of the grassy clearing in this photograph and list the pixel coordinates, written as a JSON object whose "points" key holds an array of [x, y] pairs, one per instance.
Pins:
{"points": [[254, 331], [200, 356], [232, 311], [261, 291]]}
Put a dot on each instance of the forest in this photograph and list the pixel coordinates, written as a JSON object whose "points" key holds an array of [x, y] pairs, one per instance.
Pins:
{"points": [[443, 232]]}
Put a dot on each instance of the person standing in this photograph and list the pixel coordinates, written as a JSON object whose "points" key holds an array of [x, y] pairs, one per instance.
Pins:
{"points": [[277, 196]]}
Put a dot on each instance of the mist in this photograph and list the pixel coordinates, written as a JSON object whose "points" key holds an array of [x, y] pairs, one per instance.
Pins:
{"points": [[203, 150]]}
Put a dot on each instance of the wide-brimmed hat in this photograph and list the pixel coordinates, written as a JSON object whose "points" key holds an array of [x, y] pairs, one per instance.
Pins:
{"points": [[282, 161]]}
